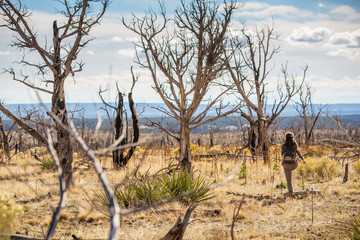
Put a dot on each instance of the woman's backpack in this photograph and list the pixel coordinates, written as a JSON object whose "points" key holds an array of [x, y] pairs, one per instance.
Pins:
{"points": [[290, 153]]}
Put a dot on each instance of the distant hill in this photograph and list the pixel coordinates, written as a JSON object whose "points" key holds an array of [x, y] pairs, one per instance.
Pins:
{"points": [[349, 114], [91, 110]]}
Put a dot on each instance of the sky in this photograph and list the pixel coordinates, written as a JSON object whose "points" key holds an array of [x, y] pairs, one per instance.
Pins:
{"points": [[322, 34]]}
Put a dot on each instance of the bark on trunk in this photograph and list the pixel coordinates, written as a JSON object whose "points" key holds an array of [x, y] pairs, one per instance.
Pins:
{"points": [[185, 150], [5, 140], [136, 131], [63, 145], [118, 155], [264, 142], [306, 127], [119, 158], [346, 175]]}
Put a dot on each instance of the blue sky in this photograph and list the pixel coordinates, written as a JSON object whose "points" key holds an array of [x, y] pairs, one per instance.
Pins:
{"points": [[325, 35]]}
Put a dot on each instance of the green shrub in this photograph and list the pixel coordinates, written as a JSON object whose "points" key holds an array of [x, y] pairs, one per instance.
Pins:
{"points": [[281, 185], [48, 164], [180, 182], [150, 190], [9, 212], [243, 171], [276, 166], [354, 227], [351, 227], [318, 169]]}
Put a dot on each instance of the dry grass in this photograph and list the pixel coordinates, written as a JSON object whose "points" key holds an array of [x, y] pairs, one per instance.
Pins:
{"points": [[283, 219]]}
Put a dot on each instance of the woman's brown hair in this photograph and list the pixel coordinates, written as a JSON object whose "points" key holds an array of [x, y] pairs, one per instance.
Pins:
{"points": [[290, 140]]}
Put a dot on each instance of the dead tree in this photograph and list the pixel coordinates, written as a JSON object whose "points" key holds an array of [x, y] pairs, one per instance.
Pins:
{"points": [[185, 60], [68, 39], [119, 157], [5, 138], [307, 113], [249, 70]]}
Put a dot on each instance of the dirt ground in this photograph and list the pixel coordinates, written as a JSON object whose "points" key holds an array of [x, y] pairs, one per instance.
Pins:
{"points": [[315, 216]]}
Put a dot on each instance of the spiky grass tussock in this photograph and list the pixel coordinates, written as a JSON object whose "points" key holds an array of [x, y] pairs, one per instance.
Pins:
{"points": [[146, 191]]}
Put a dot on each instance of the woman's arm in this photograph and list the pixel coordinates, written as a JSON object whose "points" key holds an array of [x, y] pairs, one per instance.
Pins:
{"points": [[300, 155]]}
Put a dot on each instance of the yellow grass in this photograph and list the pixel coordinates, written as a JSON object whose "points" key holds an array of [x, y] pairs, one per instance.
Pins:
{"points": [[283, 219]]}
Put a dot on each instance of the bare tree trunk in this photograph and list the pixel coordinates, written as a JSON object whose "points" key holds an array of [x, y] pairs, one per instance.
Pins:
{"points": [[346, 175], [118, 154], [264, 144], [5, 140], [306, 128], [185, 150], [136, 131], [20, 141], [63, 145]]}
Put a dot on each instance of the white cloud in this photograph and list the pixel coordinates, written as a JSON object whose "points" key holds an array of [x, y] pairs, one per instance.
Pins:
{"points": [[352, 54], [346, 12], [129, 52], [263, 10], [308, 35], [331, 90], [120, 39], [321, 5], [4, 53], [90, 52], [86, 87], [254, 6], [346, 39], [320, 82], [346, 44], [117, 39]]}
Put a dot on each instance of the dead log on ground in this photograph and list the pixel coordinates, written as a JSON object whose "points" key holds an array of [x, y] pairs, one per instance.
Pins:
{"points": [[19, 237], [260, 197]]}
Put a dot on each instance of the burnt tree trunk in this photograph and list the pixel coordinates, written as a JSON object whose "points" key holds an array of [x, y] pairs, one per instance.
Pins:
{"points": [[346, 175], [136, 132], [118, 154], [306, 127], [119, 159], [63, 145], [264, 144], [185, 150], [5, 139], [252, 140], [20, 143]]}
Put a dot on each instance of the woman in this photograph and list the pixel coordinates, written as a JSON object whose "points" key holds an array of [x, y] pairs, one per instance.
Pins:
{"points": [[289, 150]]}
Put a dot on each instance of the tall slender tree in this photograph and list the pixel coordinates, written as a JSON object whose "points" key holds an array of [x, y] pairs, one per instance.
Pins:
{"points": [[307, 112], [185, 56], [58, 60], [249, 68]]}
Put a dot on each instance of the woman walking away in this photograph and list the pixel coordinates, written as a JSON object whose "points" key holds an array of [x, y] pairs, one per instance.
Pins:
{"points": [[289, 150]]}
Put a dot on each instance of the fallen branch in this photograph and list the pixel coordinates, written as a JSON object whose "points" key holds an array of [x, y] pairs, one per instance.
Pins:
{"points": [[261, 196], [235, 216], [178, 230], [18, 237]]}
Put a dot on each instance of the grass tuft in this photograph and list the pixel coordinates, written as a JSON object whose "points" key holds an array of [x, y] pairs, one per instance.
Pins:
{"points": [[322, 169], [150, 190]]}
